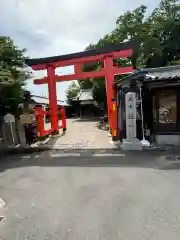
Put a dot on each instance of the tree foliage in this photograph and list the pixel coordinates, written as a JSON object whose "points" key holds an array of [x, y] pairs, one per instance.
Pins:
{"points": [[72, 91], [158, 36], [12, 74], [12, 63], [165, 22]]}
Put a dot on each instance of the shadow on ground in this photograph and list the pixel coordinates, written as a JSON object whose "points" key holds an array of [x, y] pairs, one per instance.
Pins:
{"points": [[161, 160]]}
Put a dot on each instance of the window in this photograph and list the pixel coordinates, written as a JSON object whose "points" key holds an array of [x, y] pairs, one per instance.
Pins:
{"points": [[167, 107], [165, 110]]}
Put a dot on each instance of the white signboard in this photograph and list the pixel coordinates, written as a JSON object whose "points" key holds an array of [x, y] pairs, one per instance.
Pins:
{"points": [[130, 106]]}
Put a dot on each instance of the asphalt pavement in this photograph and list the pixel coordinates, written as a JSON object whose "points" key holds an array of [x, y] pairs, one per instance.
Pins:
{"points": [[86, 189], [100, 194]]}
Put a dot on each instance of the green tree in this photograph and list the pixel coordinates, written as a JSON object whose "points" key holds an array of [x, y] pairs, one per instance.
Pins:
{"points": [[157, 34], [165, 22], [72, 91], [135, 26], [12, 73]]}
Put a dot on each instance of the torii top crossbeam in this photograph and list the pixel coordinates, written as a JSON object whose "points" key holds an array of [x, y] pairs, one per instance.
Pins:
{"points": [[94, 54]]}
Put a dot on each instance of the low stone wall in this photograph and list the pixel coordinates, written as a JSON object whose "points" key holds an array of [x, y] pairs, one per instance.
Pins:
{"points": [[11, 135], [168, 139]]}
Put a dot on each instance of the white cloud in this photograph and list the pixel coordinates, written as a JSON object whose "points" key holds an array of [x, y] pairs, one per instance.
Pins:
{"points": [[54, 27]]}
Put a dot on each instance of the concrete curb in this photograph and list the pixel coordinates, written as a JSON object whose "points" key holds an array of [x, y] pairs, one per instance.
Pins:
{"points": [[163, 148], [26, 150], [37, 147]]}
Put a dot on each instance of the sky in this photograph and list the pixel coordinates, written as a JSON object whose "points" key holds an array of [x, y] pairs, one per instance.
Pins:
{"points": [[54, 27]]}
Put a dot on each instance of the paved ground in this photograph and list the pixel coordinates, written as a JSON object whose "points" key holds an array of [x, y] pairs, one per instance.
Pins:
{"points": [[101, 194], [84, 134]]}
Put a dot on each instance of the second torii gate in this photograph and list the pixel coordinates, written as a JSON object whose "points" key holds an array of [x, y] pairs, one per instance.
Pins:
{"points": [[105, 55]]}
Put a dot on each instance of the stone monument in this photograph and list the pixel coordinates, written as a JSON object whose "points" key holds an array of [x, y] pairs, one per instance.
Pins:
{"points": [[131, 142]]}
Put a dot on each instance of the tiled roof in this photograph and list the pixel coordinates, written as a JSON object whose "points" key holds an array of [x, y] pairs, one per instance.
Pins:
{"points": [[170, 72], [45, 100], [147, 75]]}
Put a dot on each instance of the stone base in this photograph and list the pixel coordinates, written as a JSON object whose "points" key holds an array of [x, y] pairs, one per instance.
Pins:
{"points": [[133, 144], [168, 139]]}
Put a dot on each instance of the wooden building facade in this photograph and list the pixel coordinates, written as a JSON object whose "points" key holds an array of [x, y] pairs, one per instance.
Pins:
{"points": [[84, 104], [161, 103]]}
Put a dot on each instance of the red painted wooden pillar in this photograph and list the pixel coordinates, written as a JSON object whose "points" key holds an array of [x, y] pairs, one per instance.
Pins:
{"points": [[52, 98], [63, 116], [111, 96], [40, 121]]}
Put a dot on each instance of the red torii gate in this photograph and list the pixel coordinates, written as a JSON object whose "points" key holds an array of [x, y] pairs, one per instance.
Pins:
{"points": [[105, 55]]}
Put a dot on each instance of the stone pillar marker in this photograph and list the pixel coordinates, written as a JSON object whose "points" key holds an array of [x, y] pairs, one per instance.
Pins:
{"points": [[131, 142]]}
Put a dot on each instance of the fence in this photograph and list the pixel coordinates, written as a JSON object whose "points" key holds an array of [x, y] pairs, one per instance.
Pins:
{"points": [[11, 134]]}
